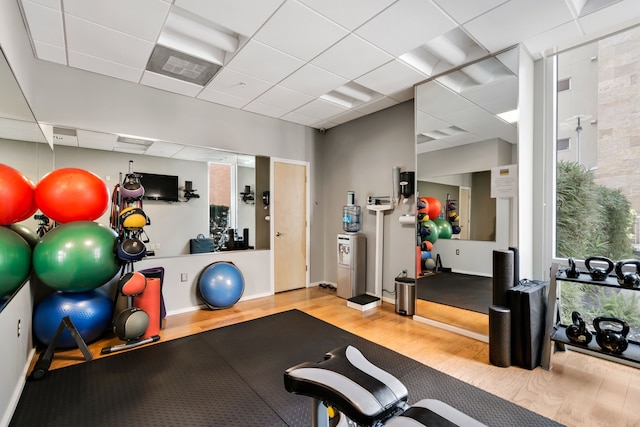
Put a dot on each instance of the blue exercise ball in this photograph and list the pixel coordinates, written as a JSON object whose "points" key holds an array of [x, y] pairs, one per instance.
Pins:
{"points": [[90, 312], [220, 285]]}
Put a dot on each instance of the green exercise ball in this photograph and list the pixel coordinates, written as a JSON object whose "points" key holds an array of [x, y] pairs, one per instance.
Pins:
{"points": [[434, 231], [15, 261], [76, 257], [444, 228], [26, 233]]}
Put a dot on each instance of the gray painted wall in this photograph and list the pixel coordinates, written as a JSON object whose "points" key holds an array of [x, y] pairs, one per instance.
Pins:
{"points": [[360, 156]]}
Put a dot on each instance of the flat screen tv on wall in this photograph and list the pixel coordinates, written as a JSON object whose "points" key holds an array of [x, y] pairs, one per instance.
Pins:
{"points": [[159, 187]]}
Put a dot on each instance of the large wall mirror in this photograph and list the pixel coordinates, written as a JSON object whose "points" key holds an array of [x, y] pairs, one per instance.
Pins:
{"points": [[466, 125], [22, 143]]}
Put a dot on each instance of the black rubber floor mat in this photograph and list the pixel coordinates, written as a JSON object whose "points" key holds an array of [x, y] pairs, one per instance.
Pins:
{"points": [[232, 376], [464, 291]]}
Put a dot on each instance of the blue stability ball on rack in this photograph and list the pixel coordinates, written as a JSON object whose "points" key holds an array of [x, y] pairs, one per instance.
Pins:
{"points": [[89, 311], [220, 285]]}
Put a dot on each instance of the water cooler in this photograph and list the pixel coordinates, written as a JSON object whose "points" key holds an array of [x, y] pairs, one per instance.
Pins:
{"points": [[352, 268]]}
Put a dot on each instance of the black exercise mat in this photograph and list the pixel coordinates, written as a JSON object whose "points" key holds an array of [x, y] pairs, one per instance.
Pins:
{"points": [[232, 376], [464, 291]]}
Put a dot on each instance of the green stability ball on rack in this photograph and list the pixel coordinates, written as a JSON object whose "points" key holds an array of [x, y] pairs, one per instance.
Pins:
{"points": [[444, 228], [76, 257]]}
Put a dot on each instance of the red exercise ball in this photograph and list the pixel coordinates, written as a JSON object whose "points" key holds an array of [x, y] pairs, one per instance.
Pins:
{"points": [[71, 194], [435, 207], [16, 195]]}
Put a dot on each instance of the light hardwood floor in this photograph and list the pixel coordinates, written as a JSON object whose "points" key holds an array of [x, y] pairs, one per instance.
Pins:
{"points": [[579, 390]]}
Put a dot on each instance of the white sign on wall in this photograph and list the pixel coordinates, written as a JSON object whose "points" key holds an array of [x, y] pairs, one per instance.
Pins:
{"points": [[504, 181]]}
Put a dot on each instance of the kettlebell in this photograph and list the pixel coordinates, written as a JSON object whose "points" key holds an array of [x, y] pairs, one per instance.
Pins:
{"points": [[611, 340], [628, 279], [578, 333], [572, 272], [598, 273]]}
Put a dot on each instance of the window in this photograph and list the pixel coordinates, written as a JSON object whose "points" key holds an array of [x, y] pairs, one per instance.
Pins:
{"points": [[598, 148]]}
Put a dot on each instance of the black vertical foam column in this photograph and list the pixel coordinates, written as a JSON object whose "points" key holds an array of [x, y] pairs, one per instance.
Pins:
{"points": [[516, 265], [500, 336], [502, 276]]}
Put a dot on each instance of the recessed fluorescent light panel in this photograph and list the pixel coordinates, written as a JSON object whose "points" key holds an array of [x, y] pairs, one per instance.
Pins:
{"points": [[178, 65]]}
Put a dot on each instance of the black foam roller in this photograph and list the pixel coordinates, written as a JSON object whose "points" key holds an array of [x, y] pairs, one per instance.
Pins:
{"points": [[516, 265], [500, 336], [502, 276]]}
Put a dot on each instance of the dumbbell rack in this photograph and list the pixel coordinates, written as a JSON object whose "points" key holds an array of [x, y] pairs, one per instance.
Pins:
{"points": [[555, 335]]}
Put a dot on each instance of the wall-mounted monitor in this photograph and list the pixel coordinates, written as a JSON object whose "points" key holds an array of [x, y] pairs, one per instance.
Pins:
{"points": [[159, 187]]}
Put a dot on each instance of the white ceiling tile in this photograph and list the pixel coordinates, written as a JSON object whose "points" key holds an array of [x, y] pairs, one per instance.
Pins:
{"points": [[45, 23], [169, 84], [313, 81], [163, 149], [351, 57], [48, 52], [517, 20], [300, 119], [391, 77], [238, 84], [464, 10], [96, 140], [284, 98], [427, 123], [496, 97], [403, 95], [405, 25], [222, 98], [102, 42], [377, 105], [299, 31], [264, 109], [321, 109], [241, 16], [264, 62], [53, 4], [624, 12], [140, 18], [553, 38], [107, 68], [350, 14]]}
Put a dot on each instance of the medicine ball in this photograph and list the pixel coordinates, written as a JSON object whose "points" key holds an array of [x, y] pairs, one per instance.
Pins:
{"points": [[131, 323], [131, 249], [131, 188], [132, 283], [133, 219]]}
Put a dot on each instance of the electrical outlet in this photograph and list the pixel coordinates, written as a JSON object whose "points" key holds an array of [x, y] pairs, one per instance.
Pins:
{"points": [[19, 328], [457, 251], [184, 277]]}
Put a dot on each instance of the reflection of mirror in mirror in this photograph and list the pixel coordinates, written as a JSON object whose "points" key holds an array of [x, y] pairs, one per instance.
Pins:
{"points": [[473, 210], [22, 144], [462, 132]]}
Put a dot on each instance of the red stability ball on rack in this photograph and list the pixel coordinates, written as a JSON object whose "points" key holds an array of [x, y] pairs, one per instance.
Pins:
{"points": [[72, 194]]}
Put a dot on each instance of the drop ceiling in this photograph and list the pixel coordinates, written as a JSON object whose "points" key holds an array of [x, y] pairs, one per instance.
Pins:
{"points": [[318, 63]]}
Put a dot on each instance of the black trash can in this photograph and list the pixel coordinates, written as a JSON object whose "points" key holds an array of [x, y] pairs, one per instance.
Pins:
{"points": [[405, 296]]}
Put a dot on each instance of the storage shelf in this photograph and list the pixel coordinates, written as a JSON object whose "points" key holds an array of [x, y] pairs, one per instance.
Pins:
{"points": [[610, 282], [631, 354], [556, 332]]}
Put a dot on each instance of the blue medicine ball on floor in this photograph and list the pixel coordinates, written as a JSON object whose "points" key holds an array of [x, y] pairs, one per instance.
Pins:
{"points": [[90, 312], [220, 285]]}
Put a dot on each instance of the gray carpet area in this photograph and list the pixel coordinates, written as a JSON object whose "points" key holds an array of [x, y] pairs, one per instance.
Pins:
{"points": [[232, 376]]}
